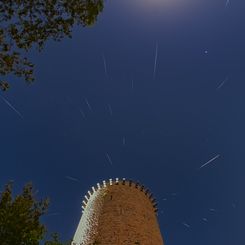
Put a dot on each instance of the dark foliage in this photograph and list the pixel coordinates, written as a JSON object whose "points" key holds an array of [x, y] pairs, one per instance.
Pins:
{"points": [[30, 23], [20, 217], [55, 240]]}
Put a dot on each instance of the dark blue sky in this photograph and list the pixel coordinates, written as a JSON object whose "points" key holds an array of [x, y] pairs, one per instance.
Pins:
{"points": [[156, 130]]}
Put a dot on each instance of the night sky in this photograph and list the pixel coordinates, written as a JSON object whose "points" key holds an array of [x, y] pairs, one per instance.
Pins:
{"points": [[151, 92]]}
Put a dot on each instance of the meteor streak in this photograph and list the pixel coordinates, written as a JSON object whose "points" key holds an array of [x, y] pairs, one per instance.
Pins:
{"points": [[155, 63], [71, 178], [124, 141], [82, 113], [211, 160], [222, 84], [89, 106], [110, 109], [186, 225], [109, 158], [52, 214], [105, 66], [11, 106]]}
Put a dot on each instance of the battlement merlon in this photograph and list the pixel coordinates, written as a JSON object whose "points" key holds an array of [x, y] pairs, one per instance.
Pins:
{"points": [[123, 181]]}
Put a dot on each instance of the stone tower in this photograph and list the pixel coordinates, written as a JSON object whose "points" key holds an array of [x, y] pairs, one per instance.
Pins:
{"points": [[120, 212]]}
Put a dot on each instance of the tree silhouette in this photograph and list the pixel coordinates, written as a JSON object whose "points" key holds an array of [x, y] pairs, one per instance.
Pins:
{"points": [[19, 217], [28, 24], [56, 240]]}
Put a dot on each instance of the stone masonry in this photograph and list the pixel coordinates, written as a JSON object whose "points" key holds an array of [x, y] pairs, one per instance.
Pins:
{"points": [[119, 212]]}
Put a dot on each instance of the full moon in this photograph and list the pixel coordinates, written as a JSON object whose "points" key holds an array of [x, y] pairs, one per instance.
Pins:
{"points": [[152, 5], [168, 7]]}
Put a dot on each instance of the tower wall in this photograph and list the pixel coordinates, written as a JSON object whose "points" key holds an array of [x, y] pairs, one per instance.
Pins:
{"points": [[118, 213]]}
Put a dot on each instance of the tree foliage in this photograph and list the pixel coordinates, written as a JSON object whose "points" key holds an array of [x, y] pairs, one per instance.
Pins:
{"points": [[56, 240], [30, 23], [20, 217]]}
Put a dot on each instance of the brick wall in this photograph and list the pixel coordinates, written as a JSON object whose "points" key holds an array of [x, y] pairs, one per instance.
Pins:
{"points": [[126, 216]]}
